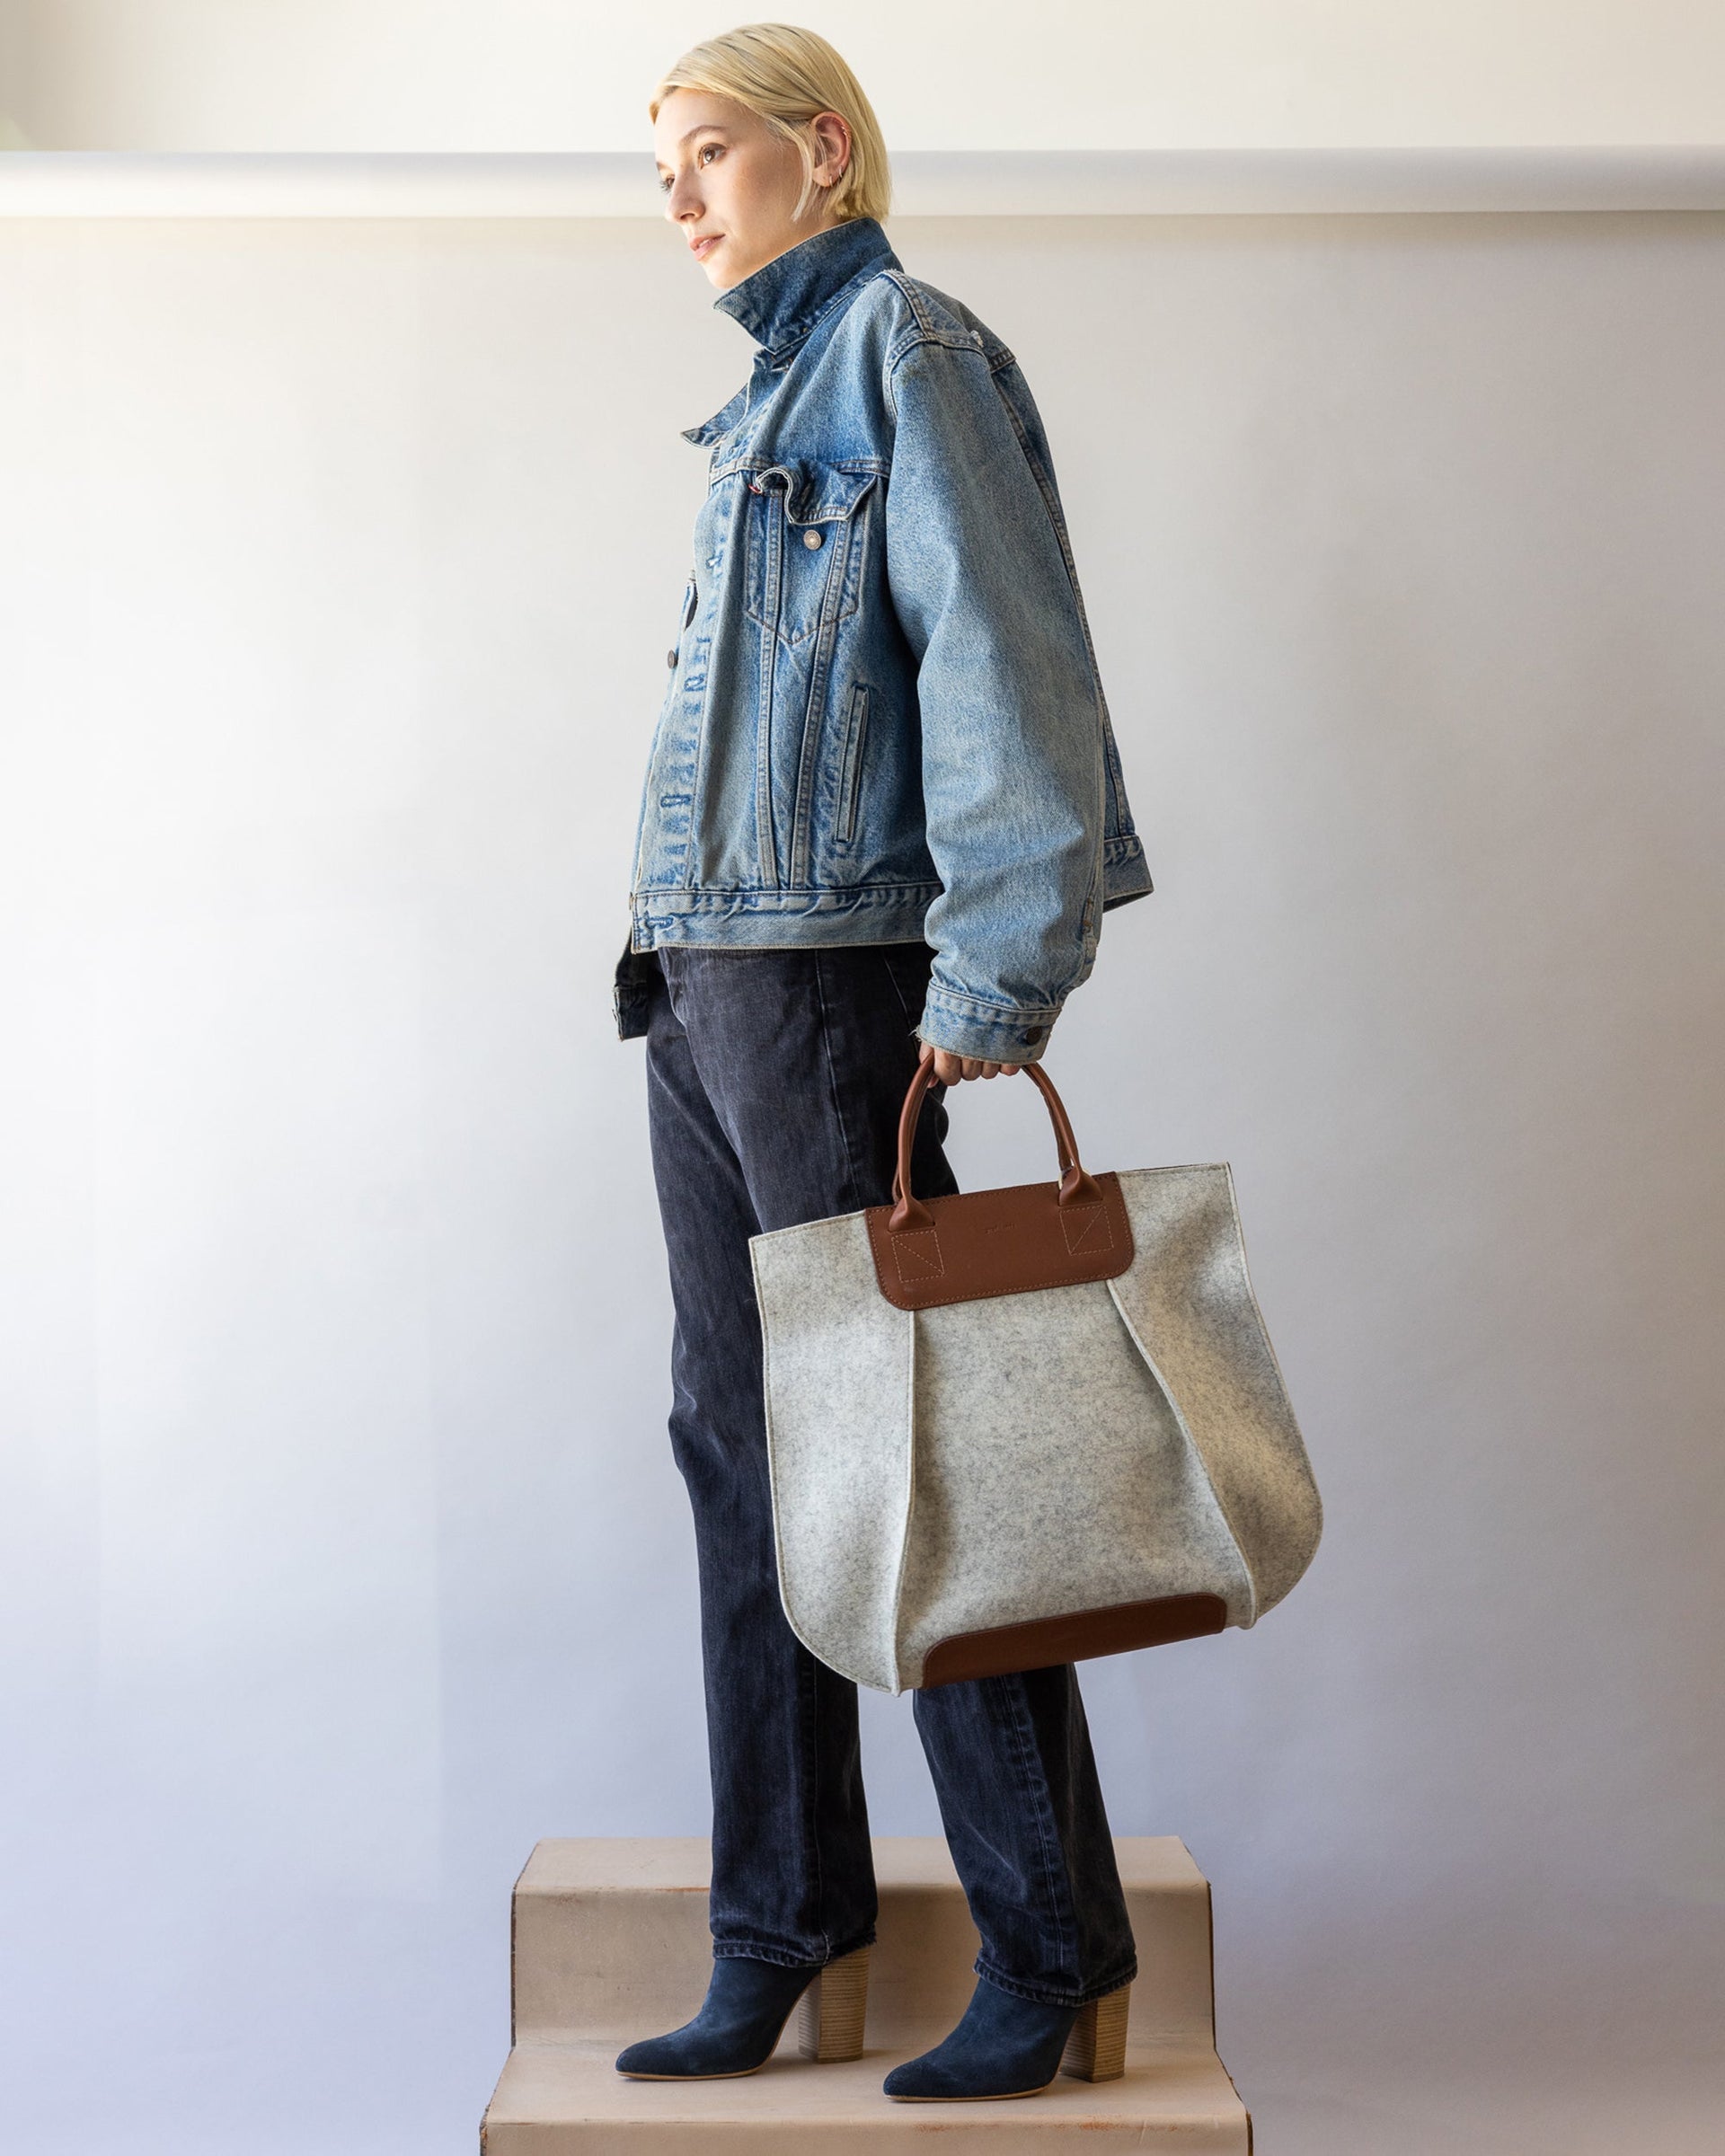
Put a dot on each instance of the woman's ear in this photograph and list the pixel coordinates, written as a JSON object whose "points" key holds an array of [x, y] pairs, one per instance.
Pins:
{"points": [[832, 147]]}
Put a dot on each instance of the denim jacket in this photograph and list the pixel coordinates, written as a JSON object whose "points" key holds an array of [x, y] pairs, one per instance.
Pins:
{"points": [[883, 720]]}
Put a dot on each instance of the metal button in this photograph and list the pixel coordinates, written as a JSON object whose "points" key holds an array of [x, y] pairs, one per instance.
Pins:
{"points": [[670, 657], [813, 536], [1032, 1034]]}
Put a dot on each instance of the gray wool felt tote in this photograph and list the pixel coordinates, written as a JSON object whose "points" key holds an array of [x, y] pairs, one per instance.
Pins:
{"points": [[1014, 1428]]}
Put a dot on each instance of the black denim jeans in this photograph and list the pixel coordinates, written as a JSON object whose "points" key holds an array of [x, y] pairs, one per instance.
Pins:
{"points": [[775, 1079]]}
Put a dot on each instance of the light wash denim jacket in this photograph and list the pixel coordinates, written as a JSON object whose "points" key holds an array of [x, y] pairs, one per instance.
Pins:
{"points": [[883, 722]]}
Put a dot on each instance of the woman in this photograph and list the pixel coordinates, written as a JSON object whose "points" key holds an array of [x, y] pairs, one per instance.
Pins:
{"points": [[883, 815]]}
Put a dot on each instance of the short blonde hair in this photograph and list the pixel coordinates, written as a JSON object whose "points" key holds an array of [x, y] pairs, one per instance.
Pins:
{"points": [[785, 75]]}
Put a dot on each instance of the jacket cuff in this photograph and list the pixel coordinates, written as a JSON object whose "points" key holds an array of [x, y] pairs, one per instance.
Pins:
{"points": [[968, 1028]]}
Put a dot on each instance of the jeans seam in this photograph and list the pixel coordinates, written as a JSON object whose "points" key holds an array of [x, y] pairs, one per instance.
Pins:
{"points": [[833, 1090], [910, 1023], [1035, 1784], [808, 1678], [812, 1825]]}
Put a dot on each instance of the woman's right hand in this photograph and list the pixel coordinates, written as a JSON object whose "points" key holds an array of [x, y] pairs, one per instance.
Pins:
{"points": [[949, 1068]]}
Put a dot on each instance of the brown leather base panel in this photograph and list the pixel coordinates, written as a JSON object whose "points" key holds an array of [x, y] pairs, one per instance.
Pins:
{"points": [[1042, 1642]]}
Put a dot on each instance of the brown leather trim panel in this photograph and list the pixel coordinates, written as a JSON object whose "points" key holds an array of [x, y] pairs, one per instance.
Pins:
{"points": [[1043, 1642], [1000, 1243]]}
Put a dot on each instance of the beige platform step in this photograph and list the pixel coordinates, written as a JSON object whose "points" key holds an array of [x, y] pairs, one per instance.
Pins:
{"points": [[611, 1943]]}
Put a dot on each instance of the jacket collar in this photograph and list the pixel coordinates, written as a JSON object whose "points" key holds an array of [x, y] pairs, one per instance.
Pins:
{"points": [[784, 298]]}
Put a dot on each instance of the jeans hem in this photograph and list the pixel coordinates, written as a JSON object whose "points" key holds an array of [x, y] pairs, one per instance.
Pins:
{"points": [[1041, 1994], [745, 1950]]}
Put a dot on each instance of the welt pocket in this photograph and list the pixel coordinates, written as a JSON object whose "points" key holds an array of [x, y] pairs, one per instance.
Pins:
{"points": [[684, 614], [856, 726]]}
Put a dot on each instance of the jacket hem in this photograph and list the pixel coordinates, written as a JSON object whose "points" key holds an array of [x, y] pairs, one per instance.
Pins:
{"points": [[792, 920], [783, 920]]}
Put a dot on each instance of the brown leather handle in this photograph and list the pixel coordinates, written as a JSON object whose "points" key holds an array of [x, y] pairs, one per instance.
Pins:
{"points": [[1077, 1187]]}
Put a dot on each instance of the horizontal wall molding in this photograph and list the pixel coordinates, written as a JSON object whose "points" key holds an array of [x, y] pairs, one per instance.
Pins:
{"points": [[1016, 183]]}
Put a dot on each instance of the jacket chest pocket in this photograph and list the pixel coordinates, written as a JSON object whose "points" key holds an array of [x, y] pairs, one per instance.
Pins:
{"points": [[808, 545]]}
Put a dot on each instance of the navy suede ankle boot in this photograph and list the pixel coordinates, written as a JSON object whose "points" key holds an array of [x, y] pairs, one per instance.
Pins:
{"points": [[743, 2017], [1005, 2046]]}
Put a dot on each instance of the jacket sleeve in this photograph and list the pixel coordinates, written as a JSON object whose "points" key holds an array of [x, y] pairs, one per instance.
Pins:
{"points": [[1012, 731]]}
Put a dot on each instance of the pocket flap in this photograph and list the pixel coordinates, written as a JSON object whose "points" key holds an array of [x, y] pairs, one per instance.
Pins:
{"points": [[816, 492]]}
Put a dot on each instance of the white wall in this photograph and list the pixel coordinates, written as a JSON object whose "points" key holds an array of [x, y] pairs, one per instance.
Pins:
{"points": [[344, 1555], [945, 74]]}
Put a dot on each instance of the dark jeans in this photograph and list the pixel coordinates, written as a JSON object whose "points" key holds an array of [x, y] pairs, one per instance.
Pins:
{"points": [[775, 1084]]}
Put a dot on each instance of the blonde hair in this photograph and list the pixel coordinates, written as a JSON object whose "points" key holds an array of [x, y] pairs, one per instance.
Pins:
{"points": [[785, 75]]}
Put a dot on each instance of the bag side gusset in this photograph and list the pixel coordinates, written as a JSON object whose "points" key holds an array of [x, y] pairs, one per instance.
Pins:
{"points": [[836, 1370], [1189, 1301]]}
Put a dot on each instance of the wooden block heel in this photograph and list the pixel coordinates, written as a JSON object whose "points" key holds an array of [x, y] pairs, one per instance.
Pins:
{"points": [[829, 2017], [1096, 2048]]}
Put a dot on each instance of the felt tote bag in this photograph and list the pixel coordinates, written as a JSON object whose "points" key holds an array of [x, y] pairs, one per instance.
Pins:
{"points": [[1014, 1428]]}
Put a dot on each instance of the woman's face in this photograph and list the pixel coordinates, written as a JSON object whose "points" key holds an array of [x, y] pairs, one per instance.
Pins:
{"points": [[730, 183]]}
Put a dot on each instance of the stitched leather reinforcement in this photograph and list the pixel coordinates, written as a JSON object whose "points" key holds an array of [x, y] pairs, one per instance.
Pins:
{"points": [[1044, 1642], [999, 1243]]}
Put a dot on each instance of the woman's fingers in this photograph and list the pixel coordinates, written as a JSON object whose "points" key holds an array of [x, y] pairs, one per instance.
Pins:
{"points": [[951, 1069]]}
